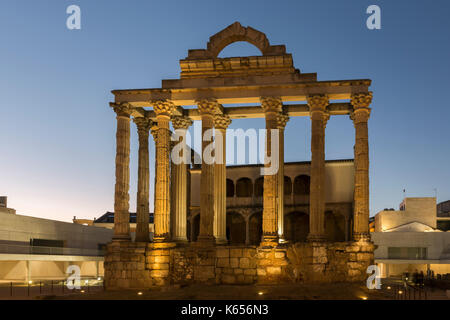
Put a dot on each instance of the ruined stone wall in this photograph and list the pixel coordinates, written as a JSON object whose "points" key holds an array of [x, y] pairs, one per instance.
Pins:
{"points": [[145, 265], [330, 262]]}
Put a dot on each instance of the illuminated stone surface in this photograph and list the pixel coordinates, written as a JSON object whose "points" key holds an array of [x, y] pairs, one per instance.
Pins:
{"points": [[209, 82]]}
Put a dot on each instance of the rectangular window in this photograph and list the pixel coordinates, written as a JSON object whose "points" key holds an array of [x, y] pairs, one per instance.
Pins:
{"points": [[407, 253]]}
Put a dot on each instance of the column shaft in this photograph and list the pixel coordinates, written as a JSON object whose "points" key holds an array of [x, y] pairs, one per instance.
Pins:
{"points": [[317, 104], [281, 122], [207, 110], [143, 192], [121, 195], [163, 111], [360, 117], [272, 107], [220, 176], [206, 188], [179, 174]]}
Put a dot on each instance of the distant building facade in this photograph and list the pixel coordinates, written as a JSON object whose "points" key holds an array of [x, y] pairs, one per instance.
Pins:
{"points": [[409, 239], [244, 191], [39, 249]]}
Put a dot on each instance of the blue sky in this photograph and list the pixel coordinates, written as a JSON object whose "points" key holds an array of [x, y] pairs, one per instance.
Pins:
{"points": [[57, 131]]}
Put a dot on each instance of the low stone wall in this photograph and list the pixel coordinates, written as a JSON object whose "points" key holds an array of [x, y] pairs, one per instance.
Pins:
{"points": [[145, 265], [330, 262]]}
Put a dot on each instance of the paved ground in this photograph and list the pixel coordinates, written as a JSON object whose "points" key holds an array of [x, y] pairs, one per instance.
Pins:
{"points": [[333, 291], [235, 292]]}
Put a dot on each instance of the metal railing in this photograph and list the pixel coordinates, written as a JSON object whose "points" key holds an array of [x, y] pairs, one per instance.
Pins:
{"points": [[44, 288], [18, 249], [409, 291]]}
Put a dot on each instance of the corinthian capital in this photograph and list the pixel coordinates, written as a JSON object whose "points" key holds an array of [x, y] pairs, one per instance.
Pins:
{"points": [[122, 109], [361, 100], [143, 125], [271, 104], [221, 121], [163, 107], [180, 122], [318, 102], [361, 110], [208, 106], [282, 119]]}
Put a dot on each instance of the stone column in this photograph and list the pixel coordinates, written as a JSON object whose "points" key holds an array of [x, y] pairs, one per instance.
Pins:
{"points": [[272, 106], [247, 230], [360, 116], [163, 110], [154, 133], [180, 161], [142, 205], [208, 108], [282, 119], [221, 123], [121, 195], [319, 117]]}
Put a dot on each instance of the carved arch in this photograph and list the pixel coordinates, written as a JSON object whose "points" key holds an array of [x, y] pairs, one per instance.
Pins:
{"points": [[234, 33]]}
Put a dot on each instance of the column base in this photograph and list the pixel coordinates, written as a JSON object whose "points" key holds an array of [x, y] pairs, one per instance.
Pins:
{"points": [[269, 241], [121, 237], [161, 239], [361, 236], [221, 241], [316, 238], [204, 241]]}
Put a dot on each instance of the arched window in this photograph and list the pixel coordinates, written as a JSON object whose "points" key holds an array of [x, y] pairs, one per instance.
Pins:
{"points": [[259, 187], [244, 188], [287, 186], [235, 228], [255, 228], [301, 185], [230, 188]]}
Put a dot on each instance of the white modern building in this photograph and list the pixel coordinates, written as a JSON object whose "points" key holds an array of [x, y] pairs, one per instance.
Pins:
{"points": [[408, 239], [39, 249]]}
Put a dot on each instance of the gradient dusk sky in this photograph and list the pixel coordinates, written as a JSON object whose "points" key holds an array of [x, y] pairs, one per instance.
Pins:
{"points": [[57, 131]]}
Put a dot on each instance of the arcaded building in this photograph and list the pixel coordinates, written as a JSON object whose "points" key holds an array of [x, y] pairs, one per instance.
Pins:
{"points": [[244, 197]]}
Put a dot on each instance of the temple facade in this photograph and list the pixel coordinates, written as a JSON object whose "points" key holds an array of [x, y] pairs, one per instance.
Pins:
{"points": [[272, 254]]}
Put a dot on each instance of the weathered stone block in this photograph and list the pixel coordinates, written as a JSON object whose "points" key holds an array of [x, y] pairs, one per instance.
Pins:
{"points": [[261, 271], [240, 278], [159, 273], [244, 263], [223, 253], [223, 262], [354, 272], [234, 262], [364, 256], [265, 262], [228, 270], [250, 272], [236, 253], [280, 255], [228, 279], [238, 271], [162, 259], [204, 272], [160, 266], [249, 253], [352, 248], [273, 270]]}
